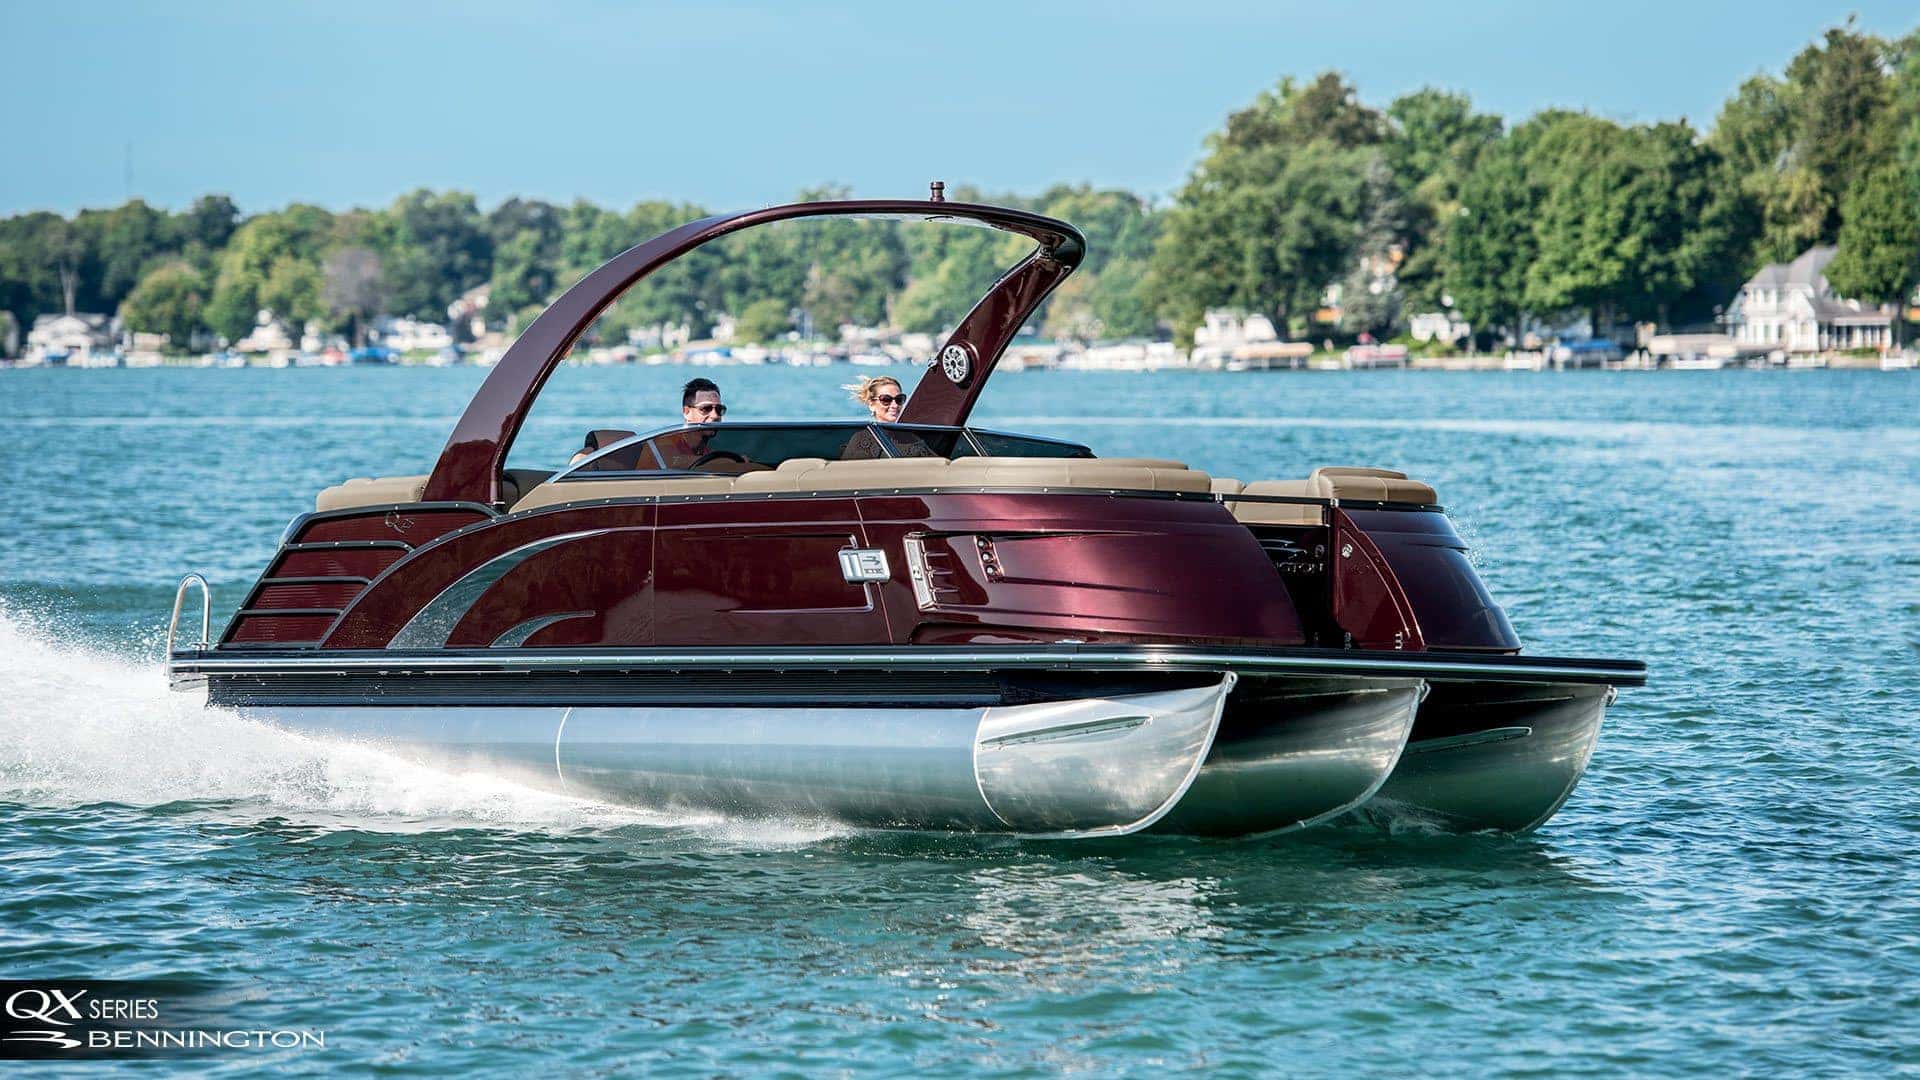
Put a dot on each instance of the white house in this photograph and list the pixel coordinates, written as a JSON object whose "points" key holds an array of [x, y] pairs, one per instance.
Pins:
{"points": [[1444, 325], [471, 310], [269, 335], [408, 334], [79, 340], [1790, 307], [1226, 334]]}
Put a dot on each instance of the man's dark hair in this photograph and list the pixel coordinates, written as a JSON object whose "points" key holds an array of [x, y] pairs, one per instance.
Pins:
{"points": [[695, 386]]}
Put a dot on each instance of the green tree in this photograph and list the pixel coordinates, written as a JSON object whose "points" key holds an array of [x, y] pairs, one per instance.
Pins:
{"points": [[1840, 89], [1490, 241], [121, 244], [440, 249], [1879, 256], [203, 229], [272, 263], [1109, 297], [762, 320], [948, 267], [1273, 213], [1753, 139], [30, 281], [65, 250], [1435, 139], [1371, 300], [168, 300], [526, 236]]}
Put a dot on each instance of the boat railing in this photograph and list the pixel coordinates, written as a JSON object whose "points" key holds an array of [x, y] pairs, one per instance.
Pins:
{"points": [[206, 612]]}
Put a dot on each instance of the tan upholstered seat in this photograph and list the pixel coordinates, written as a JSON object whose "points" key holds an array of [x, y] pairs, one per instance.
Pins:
{"points": [[817, 475], [1327, 482], [362, 491], [1380, 485], [1267, 513], [530, 489]]}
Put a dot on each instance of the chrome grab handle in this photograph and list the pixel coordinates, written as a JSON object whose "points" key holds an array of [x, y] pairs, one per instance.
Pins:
{"points": [[206, 611]]}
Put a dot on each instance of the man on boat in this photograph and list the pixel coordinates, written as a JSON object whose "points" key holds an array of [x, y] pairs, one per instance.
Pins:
{"points": [[699, 404]]}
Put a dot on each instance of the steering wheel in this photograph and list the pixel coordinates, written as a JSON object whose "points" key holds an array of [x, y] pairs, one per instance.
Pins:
{"points": [[715, 455]]}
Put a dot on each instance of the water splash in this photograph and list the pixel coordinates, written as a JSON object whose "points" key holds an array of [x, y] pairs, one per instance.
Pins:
{"points": [[82, 727]]}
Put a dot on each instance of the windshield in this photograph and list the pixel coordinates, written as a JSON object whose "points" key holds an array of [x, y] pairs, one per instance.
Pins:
{"points": [[735, 449]]}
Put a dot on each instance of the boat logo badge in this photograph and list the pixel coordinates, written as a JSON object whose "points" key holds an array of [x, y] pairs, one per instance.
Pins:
{"points": [[955, 361], [398, 522], [864, 564]]}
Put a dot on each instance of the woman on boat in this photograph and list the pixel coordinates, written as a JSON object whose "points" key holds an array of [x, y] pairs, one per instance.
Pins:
{"points": [[884, 398]]}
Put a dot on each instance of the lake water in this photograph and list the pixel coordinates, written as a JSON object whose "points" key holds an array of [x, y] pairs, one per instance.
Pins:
{"points": [[1733, 888]]}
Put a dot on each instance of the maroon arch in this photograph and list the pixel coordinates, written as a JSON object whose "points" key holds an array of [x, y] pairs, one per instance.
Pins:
{"points": [[470, 466]]}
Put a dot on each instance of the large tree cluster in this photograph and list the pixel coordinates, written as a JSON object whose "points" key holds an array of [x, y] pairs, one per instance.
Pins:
{"points": [[1427, 201], [1308, 193], [207, 269]]}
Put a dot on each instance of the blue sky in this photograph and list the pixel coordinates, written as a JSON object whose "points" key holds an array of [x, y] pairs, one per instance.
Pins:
{"points": [[735, 104]]}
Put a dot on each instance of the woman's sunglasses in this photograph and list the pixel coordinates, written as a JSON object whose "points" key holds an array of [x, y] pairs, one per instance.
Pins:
{"points": [[713, 410], [889, 399]]}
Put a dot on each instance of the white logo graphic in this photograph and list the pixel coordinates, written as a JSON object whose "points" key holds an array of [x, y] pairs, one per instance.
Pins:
{"points": [[52, 1038], [955, 362], [46, 1006], [864, 564]]}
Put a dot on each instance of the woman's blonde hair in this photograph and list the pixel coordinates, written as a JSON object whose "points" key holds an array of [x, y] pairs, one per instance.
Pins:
{"points": [[864, 390]]}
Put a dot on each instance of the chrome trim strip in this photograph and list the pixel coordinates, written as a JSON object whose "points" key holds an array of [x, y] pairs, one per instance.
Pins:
{"points": [[1142, 658], [433, 624], [518, 634]]}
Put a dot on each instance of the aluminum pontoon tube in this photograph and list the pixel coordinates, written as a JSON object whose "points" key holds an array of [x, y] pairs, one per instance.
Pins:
{"points": [[1499, 756], [1083, 767], [1292, 752]]}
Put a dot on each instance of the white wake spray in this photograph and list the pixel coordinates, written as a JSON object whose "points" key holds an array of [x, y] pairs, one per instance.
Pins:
{"points": [[79, 727]]}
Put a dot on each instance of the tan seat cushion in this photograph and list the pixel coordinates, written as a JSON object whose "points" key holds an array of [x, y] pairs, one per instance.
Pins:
{"points": [[1266, 513], [1226, 485], [1381, 485], [1075, 473], [817, 475], [1327, 482], [362, 491]]}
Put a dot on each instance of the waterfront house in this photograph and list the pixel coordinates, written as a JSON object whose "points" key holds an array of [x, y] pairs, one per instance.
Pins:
{"points": [[1789, 307], [79, 340], [470, 310], [407, 334], [1225, 333], [269, 335], [1441, 325]]}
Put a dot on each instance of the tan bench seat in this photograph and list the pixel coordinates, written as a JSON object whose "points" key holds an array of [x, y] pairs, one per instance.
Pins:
{"points": [[1326, 482], [817, 475], [381, 491], [528, 489]]}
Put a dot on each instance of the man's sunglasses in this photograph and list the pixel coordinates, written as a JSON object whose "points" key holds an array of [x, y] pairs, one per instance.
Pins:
{"points": [[716, 410], [889, 399]]}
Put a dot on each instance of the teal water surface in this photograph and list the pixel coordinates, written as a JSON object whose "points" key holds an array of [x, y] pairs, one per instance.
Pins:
{"points": [[1731, 889]]}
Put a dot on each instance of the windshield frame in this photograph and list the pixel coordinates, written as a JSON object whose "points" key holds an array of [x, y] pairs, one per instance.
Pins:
{"points": [[877, 430]]}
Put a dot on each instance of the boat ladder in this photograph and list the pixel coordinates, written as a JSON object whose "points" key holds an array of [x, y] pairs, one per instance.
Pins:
{"points": [[206, 612]]}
